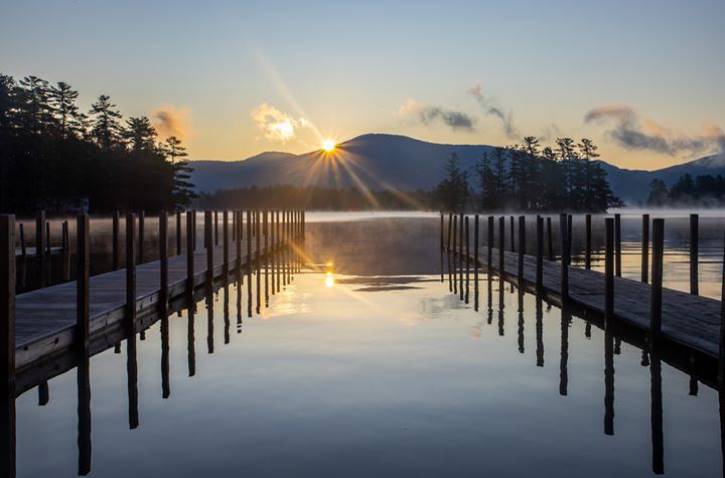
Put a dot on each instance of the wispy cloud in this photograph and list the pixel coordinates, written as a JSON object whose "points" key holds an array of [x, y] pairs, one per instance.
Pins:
{"points": [[276, 125], [171, 121], [427, 114], [506, 119], [631, 131]]}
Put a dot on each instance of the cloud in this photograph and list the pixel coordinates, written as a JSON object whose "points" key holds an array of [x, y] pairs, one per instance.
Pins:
{"points": [[171, 121], [631, 131], [276, 125], [427, 114], [506, 120]]}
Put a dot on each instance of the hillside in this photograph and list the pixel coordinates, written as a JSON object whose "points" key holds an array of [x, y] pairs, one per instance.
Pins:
{"points": [[380, 161]]}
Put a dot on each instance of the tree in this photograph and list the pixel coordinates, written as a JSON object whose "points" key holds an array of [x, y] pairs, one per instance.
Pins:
{"points": [[658, 193], [174, 149], [588, 152], [487, 183], [63, 101], [140, 134], [105, 123], [453, 191]]}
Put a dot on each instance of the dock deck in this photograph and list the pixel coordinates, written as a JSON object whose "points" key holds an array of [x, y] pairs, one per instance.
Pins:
{"points": [[689, 320]]}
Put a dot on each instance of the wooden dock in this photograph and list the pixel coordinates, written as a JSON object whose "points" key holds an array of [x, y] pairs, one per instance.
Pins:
{"points": [[688, 320], [45, 319]]}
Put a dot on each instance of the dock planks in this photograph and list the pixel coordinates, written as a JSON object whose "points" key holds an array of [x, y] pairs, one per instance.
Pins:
{"points": [[689, 320]]}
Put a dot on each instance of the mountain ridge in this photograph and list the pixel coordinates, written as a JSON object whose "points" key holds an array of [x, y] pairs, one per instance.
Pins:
{"points": [[385, 161]]}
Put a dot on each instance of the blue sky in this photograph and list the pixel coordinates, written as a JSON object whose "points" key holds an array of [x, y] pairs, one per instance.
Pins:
{"points": [[230, 73]]}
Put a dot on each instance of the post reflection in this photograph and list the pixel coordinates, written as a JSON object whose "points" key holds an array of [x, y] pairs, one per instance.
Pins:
{"points": [[84, 413], [190, 346], [608, 380], [132, 378], [226, 313], [210, 324], [564, 360], [520, 312], [165, 381], [539, 332], [658, 463], [501, 307]]}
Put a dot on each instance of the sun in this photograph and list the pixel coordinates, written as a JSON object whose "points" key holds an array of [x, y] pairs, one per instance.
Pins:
{"points": [[328, 145]]}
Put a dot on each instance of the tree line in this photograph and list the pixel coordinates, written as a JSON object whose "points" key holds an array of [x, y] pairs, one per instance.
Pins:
{"points": [[705, 190], [316, 198], [53, 155], [527, 177]]}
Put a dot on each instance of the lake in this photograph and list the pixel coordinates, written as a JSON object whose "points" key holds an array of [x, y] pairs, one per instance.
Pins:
{"points": [[366, 365]]}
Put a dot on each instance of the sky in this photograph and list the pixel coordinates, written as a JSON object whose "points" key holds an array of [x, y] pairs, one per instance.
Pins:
{"points": [[643, 79]]}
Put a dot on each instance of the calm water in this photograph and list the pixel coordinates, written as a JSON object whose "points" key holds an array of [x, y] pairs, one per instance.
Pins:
{"points": [[367, 366]]}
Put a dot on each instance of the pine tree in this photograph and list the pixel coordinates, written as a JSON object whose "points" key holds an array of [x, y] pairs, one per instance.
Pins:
{"points": [[486, 183], [105, 123], [140, 134], [453, 191], [63, 101]]}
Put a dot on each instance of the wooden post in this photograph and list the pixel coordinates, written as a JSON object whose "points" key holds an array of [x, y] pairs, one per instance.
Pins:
{"points": [[539, 254], [265, 221], [694, 253], [513, 234], [249, 263], [83, 259], [115, 247], [476, 263], [131, 272], [65, 239], [461, 259], [468, 258], [441, 236], [225, 244], [238, 248], [216, 228], [40, 246], [83, 342], [190, 258], [563, 230], [522, 248], [257, 263], [588, 241], [501, 244], [721, 355], [179, 238], [209, 240], [645, 248], [141, 236], [618, 245], [454, 254], [608, 272], [489, 245], [164, 266], [658, 233], [23, 257], [48, 248], [550, 239], [7, 342]]}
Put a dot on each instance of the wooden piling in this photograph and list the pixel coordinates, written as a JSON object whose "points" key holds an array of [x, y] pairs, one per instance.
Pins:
{"points": [[131, 272], [694, 253], [522, 248], [476, 262], [549, 239], [209, 240], [141, 236], [257, 263], [501, 244], [83, 259], [454, 254], [216, 228], [179, 237], [539, 254], [190, 258], [564, 232], [468, 259], [238, 248], [645, 248], [265, 228], [588, 241], [23, 257], [65, 242], [40, 246], [225, 244], [461, 258], [618, 245], [7, 342], [513, 234], [608, 270], [115, 243], [489, 245], [164, 263], [721, 355], [249, 263], [658, 232]]}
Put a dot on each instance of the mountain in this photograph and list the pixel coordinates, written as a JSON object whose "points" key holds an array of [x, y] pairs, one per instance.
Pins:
{"points": [[380, 161]]}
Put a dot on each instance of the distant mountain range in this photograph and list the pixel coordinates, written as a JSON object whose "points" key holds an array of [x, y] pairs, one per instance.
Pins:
{"points": [[380, 161]]}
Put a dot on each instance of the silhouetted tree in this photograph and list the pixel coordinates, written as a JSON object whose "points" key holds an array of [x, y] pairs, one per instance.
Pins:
{"points": [[453, 191]]}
